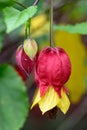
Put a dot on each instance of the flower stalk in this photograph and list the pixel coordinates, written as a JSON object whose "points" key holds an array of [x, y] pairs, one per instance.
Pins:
{"points": [[51, 24]]}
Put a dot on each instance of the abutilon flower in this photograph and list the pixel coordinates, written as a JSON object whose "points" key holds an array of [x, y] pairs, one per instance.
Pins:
{"points": [[53, 69], [26, 56]]}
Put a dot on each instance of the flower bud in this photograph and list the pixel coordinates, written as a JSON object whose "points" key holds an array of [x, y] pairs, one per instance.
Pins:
{"points": [[30, 48], [23, 61]]}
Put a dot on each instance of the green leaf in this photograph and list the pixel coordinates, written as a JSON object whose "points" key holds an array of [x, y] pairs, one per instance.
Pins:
{"points": [[14, 18], [13, 99], [80, 28], [4, 3]]}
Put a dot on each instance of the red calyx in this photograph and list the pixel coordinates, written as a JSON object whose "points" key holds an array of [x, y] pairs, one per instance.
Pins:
{"points": [[53, 68], [21, 73], [23, 61]]}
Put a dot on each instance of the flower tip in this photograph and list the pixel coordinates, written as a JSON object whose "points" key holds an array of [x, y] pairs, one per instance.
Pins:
{"points": [[64, 103], [30, 48], [46, 103], [32, 106]]}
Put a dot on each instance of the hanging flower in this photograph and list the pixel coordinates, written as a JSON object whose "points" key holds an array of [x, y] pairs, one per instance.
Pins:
{"points": [[52, 71], [26, 56]]}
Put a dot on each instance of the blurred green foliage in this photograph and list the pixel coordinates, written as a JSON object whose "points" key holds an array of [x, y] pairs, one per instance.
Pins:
{"points": [[80, 10], [13, 93], [2, 29], [5, 3], [13, 99], [80, 28]]}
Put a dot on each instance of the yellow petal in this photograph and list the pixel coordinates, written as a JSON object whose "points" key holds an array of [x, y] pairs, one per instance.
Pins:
{"points": [[36, 98], [49, 100], [64, 103]]}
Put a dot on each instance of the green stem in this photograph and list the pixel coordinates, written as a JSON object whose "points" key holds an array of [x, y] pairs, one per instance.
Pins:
{"points": [[18, 3], [27, 28], [29, 24], [26, 35], [51, 24]]}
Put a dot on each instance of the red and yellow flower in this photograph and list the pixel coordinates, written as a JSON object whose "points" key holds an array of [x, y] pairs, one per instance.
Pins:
{"points": [[26, 56], [53, 69]]}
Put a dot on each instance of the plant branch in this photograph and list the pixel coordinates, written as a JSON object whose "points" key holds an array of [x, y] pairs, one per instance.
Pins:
{"points": [[24, 6], [18, 3], [36, 2]]}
